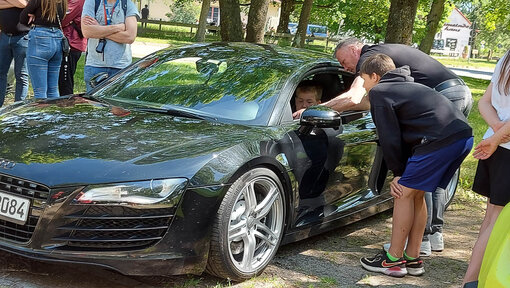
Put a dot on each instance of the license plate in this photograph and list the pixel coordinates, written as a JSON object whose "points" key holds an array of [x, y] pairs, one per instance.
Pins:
{"points": [[13, 208]]}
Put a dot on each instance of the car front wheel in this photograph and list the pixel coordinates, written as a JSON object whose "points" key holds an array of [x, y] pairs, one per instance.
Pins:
{"points": [[248, 226], [451, 188]]}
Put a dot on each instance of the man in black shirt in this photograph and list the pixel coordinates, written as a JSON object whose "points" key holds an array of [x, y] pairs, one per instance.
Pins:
{"points": [[351, 54], [13, 45], [145, 15]]}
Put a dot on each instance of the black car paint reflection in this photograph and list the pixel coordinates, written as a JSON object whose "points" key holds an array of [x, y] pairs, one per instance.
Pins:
{"points": [[192, 127]]}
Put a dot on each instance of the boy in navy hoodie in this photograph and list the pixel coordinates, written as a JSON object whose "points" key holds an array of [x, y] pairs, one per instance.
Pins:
{"points": [[424, 139]]}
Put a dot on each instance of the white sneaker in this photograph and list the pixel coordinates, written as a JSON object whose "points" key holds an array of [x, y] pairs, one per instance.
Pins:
{"points": [[436, 241], [425, 248]]}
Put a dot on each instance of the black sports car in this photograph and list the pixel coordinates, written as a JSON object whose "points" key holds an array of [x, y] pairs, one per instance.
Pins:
{"points": [[188, 160]]}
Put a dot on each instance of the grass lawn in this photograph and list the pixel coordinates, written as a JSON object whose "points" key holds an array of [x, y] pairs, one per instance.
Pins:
{"points": [[476, 121], [465, 63], [171, 34]]}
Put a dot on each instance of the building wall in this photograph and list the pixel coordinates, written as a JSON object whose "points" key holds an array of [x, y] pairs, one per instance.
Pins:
{"points": [[273, 16], [454, 34], [157, 8]]}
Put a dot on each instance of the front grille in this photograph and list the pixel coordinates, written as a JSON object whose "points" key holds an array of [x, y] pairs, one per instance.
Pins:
{"points": [[115, 228], [38, 195]]}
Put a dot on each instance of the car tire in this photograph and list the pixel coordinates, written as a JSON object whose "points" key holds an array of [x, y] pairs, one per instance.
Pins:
{"points": [[451, 188], [248, 227]]}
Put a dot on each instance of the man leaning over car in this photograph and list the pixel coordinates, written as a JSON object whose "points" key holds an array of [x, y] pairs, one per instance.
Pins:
{"points": [[351, 53], [13, 45]]}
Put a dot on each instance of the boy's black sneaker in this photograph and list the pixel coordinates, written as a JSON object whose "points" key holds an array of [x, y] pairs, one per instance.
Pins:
{"points": [[415, 267], [382, 264]]}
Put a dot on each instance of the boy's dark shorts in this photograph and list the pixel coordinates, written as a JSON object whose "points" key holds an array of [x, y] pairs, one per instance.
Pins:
{"points": [[492, 178], [428, 171]]}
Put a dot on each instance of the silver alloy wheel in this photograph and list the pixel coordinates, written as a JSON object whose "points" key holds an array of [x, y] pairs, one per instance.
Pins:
{"points": [[256, 224]]}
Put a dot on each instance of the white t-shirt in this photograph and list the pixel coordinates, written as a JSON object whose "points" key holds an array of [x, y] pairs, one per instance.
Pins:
{"points": [[500, 102]]}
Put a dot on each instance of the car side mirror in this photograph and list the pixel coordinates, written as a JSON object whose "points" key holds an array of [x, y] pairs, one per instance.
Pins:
{"points": [[319, 116], [98, 78]]}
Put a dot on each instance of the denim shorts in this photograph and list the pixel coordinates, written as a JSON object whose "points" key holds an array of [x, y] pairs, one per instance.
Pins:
{"points": [[428, 171]]}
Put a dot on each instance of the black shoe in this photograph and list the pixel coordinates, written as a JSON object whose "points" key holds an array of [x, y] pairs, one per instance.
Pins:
{"points": [[382, 264], [415, 267], [473, 284]]}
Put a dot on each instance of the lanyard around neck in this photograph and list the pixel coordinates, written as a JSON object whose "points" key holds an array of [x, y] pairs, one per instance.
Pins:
{"points": [[108, 19]]}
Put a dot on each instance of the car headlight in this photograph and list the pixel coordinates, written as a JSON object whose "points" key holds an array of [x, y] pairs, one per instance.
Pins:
{"points": [[142, 192]]}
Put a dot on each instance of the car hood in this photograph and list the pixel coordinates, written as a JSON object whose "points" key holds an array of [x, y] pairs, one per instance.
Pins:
{"points": [[77, 141]]}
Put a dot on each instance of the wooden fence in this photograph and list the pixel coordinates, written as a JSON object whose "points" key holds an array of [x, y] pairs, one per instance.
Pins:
{"points": [[271, 37]]}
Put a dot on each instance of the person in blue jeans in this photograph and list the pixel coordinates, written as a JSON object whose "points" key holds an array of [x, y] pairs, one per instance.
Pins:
{"points": [[110, 28], [13, 46], [44, 53]]}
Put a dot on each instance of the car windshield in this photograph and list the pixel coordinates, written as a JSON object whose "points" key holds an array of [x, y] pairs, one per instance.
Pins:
{"points": [[234, 85]]}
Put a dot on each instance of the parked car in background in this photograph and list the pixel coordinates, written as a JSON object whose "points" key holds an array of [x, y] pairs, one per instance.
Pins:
{"points": [[292, 28], [188, 160], [316, 30]]}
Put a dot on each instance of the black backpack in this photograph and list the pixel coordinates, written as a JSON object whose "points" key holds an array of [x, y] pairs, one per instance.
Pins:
{"points": [[123, 3]]}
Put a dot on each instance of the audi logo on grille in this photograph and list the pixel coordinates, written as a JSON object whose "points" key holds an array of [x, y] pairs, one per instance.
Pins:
{"points": [[7, 164]]}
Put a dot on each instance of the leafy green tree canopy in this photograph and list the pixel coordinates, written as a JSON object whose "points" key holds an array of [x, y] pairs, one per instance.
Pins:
{"points": [[184, 11]]}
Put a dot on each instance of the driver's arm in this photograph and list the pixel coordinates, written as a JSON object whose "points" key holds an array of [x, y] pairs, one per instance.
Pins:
{"points": [[354, 99]]}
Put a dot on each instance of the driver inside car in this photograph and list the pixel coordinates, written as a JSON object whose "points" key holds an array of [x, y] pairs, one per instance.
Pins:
{"points": [[308, 94]]}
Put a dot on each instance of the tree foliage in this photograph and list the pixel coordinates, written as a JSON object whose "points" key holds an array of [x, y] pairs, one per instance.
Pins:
{"points": [[365, 19], [184, 12], [491, 20], [496, 24]]}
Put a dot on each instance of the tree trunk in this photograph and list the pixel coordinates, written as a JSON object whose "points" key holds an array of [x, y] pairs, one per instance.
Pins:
{"points": [[231, 28], [287, 7], [401, 21], [256, 26], [436, 11], [299, 39], [202, 22]]}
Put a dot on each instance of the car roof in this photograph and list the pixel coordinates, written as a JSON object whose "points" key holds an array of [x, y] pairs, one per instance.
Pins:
{"points": [[287, 57]]}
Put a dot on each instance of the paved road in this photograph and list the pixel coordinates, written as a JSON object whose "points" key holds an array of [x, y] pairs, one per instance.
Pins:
{"points": [[473, 73], [142, 49]]}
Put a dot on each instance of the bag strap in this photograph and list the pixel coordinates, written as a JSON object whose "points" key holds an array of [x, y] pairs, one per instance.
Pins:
{"points": [[123, 2], [96, 7], [77, 28], [124, 7], [59, 23]]}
